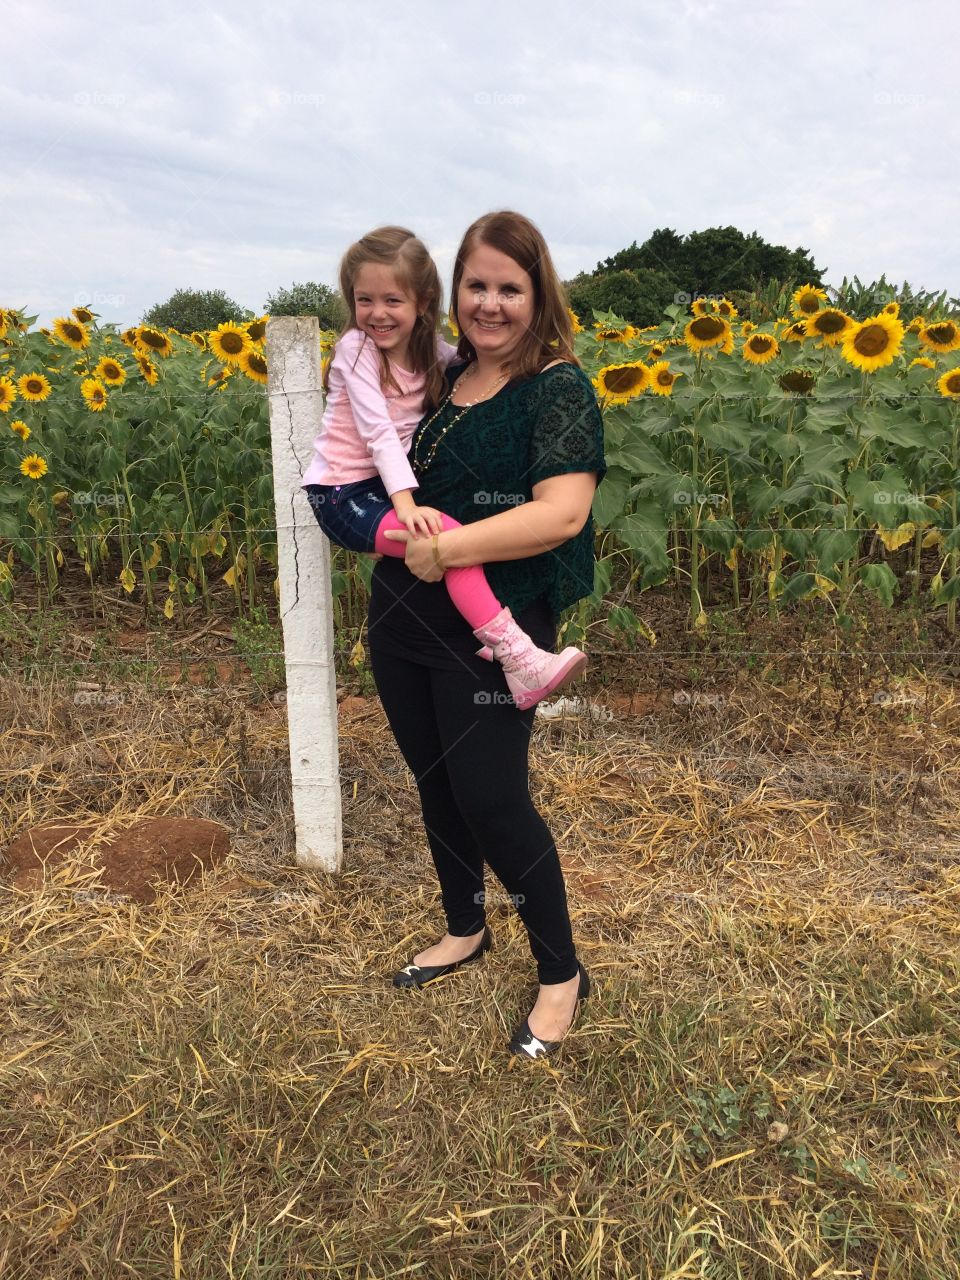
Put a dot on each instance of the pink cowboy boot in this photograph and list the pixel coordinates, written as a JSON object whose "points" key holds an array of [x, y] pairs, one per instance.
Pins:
{"points": [[531, 673]]}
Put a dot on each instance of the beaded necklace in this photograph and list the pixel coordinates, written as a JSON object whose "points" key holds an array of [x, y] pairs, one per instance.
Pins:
{"points": [[420, 465]]}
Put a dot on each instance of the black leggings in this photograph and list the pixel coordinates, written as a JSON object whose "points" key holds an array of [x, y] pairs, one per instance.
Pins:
{"points": [[467, 746]]}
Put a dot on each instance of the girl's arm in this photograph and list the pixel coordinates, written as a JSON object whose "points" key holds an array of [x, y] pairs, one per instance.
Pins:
{"points": [[559, 510]]}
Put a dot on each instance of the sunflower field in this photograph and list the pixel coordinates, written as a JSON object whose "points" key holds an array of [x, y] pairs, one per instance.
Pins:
{"points": [[814, 455]]}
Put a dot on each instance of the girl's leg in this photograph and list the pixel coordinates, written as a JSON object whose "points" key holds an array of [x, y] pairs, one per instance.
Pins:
{"points": [[468, 588]]}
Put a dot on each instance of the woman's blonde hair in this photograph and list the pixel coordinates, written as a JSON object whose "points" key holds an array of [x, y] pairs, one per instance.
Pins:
{"points": [[416, 272], [550, 335]]}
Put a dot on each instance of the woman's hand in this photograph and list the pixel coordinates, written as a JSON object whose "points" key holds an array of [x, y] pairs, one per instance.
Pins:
{"points": [[418, 555]]}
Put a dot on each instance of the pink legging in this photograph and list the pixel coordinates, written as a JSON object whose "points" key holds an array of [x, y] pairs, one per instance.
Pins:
{"points": [[468, 588]]}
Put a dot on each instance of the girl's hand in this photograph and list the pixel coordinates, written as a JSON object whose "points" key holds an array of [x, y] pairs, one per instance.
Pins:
{"points": [[422, 521], [418, 556]]}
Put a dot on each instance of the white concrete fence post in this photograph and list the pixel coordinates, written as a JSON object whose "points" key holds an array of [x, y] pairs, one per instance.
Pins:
{"points": [[306, 606]]}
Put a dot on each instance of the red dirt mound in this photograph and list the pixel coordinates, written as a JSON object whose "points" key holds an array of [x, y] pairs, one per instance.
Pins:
{"points": [[153, 849]]}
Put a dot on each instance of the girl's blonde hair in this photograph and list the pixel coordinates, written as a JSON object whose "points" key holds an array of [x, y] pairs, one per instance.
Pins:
{"points": [[550, 336], [416, 273]]}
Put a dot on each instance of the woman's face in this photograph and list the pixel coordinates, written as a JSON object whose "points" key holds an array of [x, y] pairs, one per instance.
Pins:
{"points": [[495, 302]]}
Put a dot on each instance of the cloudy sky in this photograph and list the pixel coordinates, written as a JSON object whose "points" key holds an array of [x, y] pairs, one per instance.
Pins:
{"points": [[242, 147]]}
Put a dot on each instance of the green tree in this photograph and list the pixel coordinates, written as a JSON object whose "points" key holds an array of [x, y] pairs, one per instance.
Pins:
{"points": [[309, 299], [190, 309], [638, 296]]}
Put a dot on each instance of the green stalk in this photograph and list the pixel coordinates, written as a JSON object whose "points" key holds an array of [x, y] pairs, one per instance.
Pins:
{"points": [[736, 569], [954, 556]]}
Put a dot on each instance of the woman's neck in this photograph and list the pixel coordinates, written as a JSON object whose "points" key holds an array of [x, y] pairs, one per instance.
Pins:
{"points": [[488, 367]]}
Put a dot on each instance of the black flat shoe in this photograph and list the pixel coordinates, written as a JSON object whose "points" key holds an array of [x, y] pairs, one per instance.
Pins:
{"points": [[525, 1043], [415, 975]]}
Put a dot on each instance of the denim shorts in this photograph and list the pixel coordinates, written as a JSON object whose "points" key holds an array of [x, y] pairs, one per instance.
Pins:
{"points": [[350, 513]]}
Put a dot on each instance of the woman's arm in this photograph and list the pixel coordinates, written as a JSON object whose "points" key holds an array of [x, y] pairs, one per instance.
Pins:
{"points": [[559, 510]]}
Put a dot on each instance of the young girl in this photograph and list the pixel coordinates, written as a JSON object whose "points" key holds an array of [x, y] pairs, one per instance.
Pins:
{"points": [[386, 372]]}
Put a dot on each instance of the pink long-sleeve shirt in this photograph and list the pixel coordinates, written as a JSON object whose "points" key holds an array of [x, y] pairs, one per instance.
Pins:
{"points": [[366, 429]]}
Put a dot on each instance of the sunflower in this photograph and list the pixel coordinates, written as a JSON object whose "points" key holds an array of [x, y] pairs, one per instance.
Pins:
{"points": [[33, 466], [795, 332], [257, 328], [152, 342], [726, 309], [892, 309], [220, 377], [129, 337], [948, 384], [149, 370], [4, 322], [703, 332], [95, 394], [71, 332], [807, 299], [610, 333], [229, 342], [575, 324], [800, 381], [21, 428], [941, 335], [656, 351], [916, 324], [34, 386], [760, 348], [703, 306], [83, 315], [747, 327], [8, 393], [198, 340], [113, 374], [830, 325], [661, 379], [924, 362], [618, 383], [254, 366], [874, 343]]}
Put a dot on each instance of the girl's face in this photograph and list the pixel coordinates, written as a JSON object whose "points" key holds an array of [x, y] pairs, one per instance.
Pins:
{"points": [[495, 302], [384, 310]]}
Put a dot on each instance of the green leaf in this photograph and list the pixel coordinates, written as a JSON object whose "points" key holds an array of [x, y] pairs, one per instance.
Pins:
{"points": [[611, 495], [949, 591], [644, 531], [880, 579], [834, 545], [725, 435], [798, 585], [640, 457], [602, 574]]}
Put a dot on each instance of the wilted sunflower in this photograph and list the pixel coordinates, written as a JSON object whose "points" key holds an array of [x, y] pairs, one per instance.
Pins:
{"points": [[229, 342], [948, 384], [129, 336], [198, 340], [829, 325], [71, 332], [760, 348], [661, 379], [149, 370], [807, 299], [21, 428], [152, 342], [941, 336], [95, 394], [8, 393], [800, 381], [703, 332], [610, 333], [618, 383], [257, 328], [83, 315], [33, 466], [113, 374], [34, 386], [254, 366], [872, 344], [924, 362]]}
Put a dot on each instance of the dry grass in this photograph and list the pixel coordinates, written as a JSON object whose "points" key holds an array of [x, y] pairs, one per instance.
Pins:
{"points": [[225, 1084]]}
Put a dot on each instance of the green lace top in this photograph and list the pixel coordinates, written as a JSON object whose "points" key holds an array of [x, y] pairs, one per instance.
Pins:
{"points": [[489, 461]]}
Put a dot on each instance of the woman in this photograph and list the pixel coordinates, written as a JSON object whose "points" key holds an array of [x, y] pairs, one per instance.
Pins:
{"points": [[515, 453]]}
